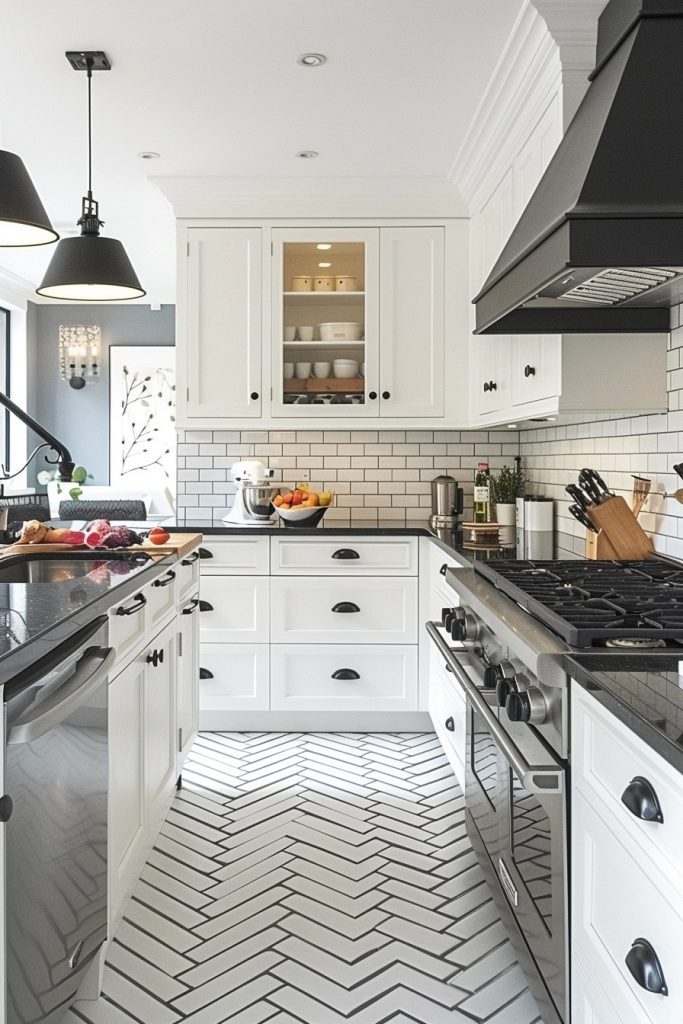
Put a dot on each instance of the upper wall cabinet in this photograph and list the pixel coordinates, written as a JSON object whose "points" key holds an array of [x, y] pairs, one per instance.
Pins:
{"points": [[314, 324]]}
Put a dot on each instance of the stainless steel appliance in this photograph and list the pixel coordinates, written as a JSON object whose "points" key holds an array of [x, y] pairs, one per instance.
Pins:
{"points": [[55, 832], [447, 500], [503, 644], [255, 492]]}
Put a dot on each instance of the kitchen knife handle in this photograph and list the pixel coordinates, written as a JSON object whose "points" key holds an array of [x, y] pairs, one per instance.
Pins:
{"points": [[579, 496], [678, 468], [582, 518]]}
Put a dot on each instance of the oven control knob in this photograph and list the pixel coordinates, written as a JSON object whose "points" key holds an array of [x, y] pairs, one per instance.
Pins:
{"points": [[527, 706], [465, 626], [447, 616], [506, 682]]}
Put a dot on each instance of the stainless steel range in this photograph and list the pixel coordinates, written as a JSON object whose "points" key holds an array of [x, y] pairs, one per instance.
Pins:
{"points": [[503, 641]]}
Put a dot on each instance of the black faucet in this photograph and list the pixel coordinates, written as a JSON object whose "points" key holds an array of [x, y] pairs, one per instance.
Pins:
{"points": [[65, 463]]}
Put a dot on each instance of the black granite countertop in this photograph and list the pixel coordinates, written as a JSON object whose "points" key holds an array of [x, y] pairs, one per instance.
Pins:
{"points": [[645, 692], [35, 616]]}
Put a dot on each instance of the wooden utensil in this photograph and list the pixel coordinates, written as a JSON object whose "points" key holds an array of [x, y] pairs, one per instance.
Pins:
{"points": [[627, 537], [641, 489]]}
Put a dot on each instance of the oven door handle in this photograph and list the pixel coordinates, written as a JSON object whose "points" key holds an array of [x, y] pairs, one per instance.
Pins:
{"points": [[541, 779]]}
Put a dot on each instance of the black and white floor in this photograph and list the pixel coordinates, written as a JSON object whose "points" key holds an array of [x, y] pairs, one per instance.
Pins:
{"points": [[313, 879]]}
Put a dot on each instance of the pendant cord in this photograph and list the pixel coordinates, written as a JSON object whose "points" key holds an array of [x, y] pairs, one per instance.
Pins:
{"points": [[89, 64]]}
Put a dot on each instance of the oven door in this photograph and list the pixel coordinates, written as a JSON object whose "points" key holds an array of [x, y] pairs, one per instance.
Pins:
{"points": [[484, 777]]}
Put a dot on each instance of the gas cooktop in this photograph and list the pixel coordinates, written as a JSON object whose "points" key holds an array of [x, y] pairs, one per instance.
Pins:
{"points": [[632, 605]]}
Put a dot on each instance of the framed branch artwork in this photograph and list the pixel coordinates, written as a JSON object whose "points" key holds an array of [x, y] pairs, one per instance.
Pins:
{"points": [[142, 430]]}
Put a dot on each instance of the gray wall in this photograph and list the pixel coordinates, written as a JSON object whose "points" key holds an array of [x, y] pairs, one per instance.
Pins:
{"points": [[81, 418]]}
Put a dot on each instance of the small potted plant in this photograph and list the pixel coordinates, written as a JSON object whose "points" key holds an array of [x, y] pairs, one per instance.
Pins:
{"points": [[505, 488]]}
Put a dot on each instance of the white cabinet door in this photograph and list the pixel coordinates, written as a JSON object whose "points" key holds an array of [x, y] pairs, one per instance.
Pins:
{"points": [[536, 367], [160, 720], [127, 832], [411, 371], [223, 329], [234, 609], [234, 677], [238, 556], [187, 697]]}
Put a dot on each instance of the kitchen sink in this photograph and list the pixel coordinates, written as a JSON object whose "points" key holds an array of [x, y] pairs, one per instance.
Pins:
{"points": [[64, 567]]}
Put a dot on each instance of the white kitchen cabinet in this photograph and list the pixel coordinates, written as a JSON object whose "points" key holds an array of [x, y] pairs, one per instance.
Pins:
{"points": [[344, 556], [590, 1004], [412, 329], [233, 677], [187, 696], [234, 609], [220, 334], [234, 556], [160, 718]]}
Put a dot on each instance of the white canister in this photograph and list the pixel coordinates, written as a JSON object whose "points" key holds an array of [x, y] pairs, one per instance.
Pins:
{"points": [[322, 370], [302, 370], [304, 333], [323, 284], [538, 515], [303, 283], [290, 333], [288, 370], [346, 284]]}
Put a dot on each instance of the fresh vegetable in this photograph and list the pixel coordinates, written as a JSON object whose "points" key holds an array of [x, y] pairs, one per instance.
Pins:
{"points": [[158, 536], [120, 537]]}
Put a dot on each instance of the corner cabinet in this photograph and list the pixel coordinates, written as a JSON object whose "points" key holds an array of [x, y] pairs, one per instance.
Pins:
{"points": [[266, 309]]}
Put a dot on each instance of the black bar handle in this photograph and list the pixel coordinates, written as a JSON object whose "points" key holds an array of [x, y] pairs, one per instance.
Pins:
{"points": [[450, 724], [345, 673], [205, 674], [165, 581], [345, 606], [644, 965], [139, 602], [194, 603], [204, 606], [345, 553], [191, 558], [642, 801], [205, 553]]}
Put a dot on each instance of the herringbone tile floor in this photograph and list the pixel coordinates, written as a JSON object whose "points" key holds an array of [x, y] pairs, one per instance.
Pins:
{"points": [[313, 879]]}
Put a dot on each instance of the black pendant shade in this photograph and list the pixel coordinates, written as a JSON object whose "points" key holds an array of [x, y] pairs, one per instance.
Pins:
{"points": [[90, 268], [23, 220]]}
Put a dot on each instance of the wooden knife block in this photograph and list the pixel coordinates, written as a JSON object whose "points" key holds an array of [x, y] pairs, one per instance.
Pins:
{"points": [[620, 531], [598, 547]]}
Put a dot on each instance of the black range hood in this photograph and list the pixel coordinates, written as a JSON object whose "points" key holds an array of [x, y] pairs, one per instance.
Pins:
{"points": [[599, 247]]}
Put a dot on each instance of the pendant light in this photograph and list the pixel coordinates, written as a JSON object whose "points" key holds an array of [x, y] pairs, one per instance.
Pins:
{"points": [[23, 220], [90, 268]]}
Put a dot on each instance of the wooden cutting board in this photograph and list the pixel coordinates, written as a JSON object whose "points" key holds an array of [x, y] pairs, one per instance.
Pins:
{"points": [[621, 528], [179, 544]]}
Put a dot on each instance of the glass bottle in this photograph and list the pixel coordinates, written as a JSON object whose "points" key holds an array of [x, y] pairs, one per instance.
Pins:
{"points": [[481, 493]]}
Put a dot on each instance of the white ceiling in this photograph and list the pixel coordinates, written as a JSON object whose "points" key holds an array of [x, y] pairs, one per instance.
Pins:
{"points": [[214, 87]]}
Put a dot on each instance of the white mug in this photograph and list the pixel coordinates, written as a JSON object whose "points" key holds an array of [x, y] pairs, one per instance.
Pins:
{"points": [[288, 370], [302, 370], [322, 370], [305, 333], [290, 333]]}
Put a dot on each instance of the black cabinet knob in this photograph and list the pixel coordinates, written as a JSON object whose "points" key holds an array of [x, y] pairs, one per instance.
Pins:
{"points": [[386, 394], [645, 968], [450, 724], [372, 395], [529, 371], [254, 396], [641, 800], [490, 385], [345, 553], [156, 657], [345, 607], [345, 673]]}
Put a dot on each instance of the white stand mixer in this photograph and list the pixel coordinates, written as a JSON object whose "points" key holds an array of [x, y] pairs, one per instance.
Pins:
{"points": [[255, 492]]}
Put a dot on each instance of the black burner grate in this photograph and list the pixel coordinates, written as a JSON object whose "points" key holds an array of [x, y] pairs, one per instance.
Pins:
{"points": [[587, 602]]}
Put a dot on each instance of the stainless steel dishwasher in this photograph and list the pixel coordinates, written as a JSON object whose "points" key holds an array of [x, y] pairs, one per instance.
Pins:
{"points": [[55, 824]]}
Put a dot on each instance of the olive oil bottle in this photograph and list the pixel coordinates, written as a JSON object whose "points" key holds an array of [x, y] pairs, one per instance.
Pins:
{"points": [[482, 497]]}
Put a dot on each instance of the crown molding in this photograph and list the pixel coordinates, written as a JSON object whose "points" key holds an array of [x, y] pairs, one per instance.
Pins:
{"points": [[574, 27], [16, 291], [272, 197]]}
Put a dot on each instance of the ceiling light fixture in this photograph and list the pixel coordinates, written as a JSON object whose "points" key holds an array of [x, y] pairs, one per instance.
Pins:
{"points": [[324, 264], [324, 245], [88, 267], [149, 154], [23, 220], [311, 60], [307, 154]]}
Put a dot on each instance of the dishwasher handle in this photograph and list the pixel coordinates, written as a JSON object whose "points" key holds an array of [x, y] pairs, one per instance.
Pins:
{"points": [[90, 672]]}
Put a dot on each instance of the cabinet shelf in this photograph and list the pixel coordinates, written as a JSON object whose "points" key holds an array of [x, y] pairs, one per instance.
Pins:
{"points": [[327, 386], [325, 298], [323, 344]]}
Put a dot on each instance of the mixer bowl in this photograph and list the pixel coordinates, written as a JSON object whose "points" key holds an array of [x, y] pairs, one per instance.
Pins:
{"points": [[258, 499]]}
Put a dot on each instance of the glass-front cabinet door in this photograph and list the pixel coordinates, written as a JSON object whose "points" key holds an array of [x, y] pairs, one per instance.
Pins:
{"points": [[325, 322]]}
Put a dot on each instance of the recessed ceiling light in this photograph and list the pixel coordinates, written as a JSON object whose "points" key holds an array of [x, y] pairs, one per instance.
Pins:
{"points": [[324, 264], [307, 154], [324, 245], [311, 60], [149, 155], [512, 426]]}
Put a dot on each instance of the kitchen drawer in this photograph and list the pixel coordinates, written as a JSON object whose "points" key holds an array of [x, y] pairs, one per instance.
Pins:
{"points": [[238, 680], [248, 556], [187, 574], [614, 902], [128, 626], [606, 757], [448, 711], [161, 595], [360, 610], [344, 556], [311, 678], [590, 1004], [234, 609]]}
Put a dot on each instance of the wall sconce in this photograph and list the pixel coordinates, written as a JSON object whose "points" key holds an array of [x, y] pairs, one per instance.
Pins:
{"points": [[79, 354]]}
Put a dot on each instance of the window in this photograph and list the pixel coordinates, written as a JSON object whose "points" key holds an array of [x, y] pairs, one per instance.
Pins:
{"points": [[5, 327]]}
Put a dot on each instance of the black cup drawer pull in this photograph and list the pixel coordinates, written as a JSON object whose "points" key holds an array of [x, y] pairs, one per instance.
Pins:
{"points": [[345, 606], [191, 558], [345, 673], [204, 673], [139, 602], [166, 580], [450, 724], [641, 800], [205, 606], [644, 965], [205, 553], [345, 554]]}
